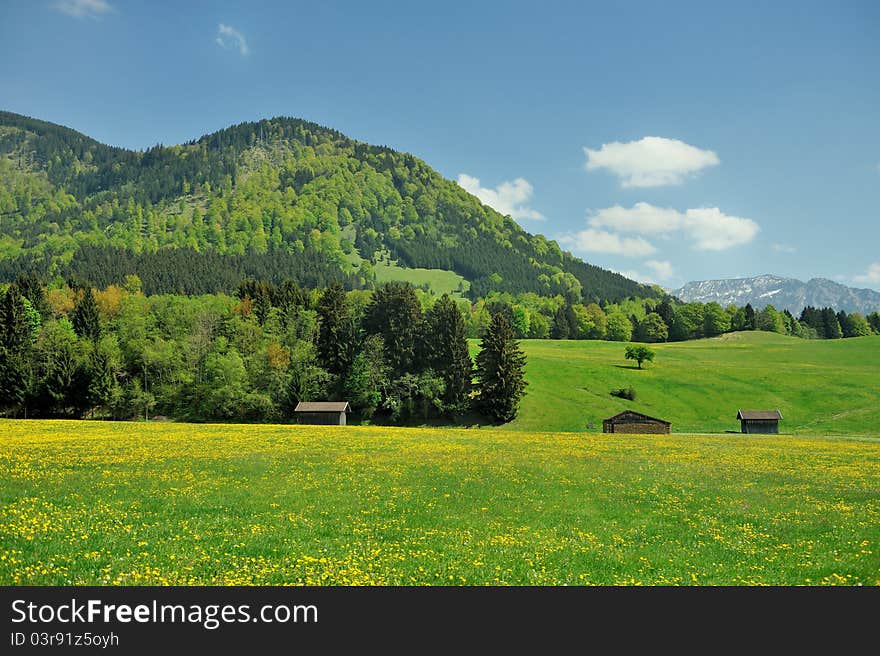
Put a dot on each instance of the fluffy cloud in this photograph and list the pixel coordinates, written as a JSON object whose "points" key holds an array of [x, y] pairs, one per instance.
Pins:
{"points": [[228, 36], [650, 161], [712, 230], [871, 276], [707, 227], [83, 8], [509, 198], [600, 241], [662, 269], [641, 218]]}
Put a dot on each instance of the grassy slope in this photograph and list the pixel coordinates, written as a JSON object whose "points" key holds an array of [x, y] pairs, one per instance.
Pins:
{"points": [[112, 503], [821, 387], [440, 281]]}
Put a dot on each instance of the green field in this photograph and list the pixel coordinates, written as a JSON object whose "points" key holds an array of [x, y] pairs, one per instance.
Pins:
{"points": [[527, 503], [440, 281], [114, 503], [822, 387]]}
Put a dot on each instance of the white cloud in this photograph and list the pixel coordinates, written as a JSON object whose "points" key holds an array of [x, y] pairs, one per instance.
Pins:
{"points": [[784, 248], [662, 269], [650, 161], [642, 218], [600, 241], [871, 276], [228, 36], [509, 198], [712, 230], [707, 227], [83, 8]]}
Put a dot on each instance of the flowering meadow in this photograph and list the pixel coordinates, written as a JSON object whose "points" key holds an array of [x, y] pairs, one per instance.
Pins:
{"points": [[103, 503]]}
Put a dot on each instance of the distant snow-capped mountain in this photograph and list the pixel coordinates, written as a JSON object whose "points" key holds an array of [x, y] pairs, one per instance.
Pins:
{"points": [[782, 293]]}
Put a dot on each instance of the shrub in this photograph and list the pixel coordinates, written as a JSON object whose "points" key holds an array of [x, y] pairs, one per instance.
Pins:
{"points": [[624, 393]]}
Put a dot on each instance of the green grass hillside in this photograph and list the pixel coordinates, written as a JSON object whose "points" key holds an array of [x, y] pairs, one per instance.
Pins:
{"points": [[821, 386]]}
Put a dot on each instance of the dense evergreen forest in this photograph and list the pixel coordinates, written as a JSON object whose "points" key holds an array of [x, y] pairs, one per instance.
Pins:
{"points": [[275, 199]]}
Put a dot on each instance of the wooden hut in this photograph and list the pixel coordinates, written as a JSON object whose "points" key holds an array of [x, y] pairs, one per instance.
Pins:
{"points": [[322, 412], [630, 421], [759, 421]]}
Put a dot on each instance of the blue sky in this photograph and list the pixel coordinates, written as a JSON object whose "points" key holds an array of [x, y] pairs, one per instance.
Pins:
{"points": [[674, 141]]}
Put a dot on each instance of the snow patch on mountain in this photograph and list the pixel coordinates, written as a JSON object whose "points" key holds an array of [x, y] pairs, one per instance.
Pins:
{"points": [[783, 293]]}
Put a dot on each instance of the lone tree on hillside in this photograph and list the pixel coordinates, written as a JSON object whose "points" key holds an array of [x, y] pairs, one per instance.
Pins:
{"points": [[500, 367], [640, 353]]}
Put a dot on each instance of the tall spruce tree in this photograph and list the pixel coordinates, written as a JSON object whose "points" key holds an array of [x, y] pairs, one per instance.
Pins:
{"points": [[336, 333], [831, 324], [14, 326], [750, 322], [446, 352], [560, 328], [85, 318], [500, 371], [396, 314], [15, 344], [30, 286]]}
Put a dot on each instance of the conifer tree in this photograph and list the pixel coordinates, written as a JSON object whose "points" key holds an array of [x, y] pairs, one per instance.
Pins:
{"points": [[446, 352], [750, 322], [85, 319], [30, 286], [831, 324], [15, 343], [14, 326], [500, 371], [560, 328], [396, 314], [336, 334]]}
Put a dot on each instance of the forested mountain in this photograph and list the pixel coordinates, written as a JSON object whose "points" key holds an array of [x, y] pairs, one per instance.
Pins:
{"points": [[274, 199]]}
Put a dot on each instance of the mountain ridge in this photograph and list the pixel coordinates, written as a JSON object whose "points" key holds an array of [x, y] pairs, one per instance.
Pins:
{"points": [[268, 191], [783, 293]]}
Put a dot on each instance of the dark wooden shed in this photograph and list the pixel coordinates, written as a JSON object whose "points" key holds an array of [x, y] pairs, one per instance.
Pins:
{"points": [[759, 421], [322, 412], [630, 421]]}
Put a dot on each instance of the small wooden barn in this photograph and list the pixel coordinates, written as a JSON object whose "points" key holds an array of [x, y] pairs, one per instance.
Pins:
{"points": [[630, 421], [322, 412], [759, 421]]}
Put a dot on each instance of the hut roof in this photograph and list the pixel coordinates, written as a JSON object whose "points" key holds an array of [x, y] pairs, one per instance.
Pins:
{"points": [[322, 406], [758, 414], [640, 414]]}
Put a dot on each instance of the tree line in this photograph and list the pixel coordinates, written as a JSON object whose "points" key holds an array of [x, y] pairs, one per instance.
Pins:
{"points": [[75, 351], [660, 320]]}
